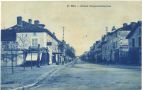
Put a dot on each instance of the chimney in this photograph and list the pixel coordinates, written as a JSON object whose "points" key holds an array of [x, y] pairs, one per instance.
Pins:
{"points": [[139, 21], [133, 24], [19, 20], [36, 22], [30, 21], [125, 25], [113, 28], [54, 33]]}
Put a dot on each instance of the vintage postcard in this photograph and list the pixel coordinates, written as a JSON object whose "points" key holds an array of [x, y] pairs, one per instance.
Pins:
{"points": [[71, 45]]}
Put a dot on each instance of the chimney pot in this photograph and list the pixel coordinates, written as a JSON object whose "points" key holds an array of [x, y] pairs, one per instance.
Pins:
{"points": [[133, 24], [125, 25], [30, 21], [113, 28], [36, 22], [19, 20]]}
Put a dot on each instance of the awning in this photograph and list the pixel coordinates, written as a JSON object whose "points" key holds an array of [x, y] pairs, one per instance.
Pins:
{"points": [[34, 57]]}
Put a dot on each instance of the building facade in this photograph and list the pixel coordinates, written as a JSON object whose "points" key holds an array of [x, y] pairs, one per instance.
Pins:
{"points": [[134, 38], [29, 36], [115, 48]]}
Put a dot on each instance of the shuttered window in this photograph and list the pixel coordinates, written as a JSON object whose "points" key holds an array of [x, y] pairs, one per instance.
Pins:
{"points": [[34, 42], [133, 42]]}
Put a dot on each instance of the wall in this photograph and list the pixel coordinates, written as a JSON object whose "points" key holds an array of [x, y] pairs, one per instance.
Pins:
{"points": [[135, 36], [25, 41]]}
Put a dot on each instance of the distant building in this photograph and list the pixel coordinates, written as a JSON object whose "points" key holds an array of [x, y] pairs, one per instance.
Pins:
{"points": [[119, 51], [97, 52], [106, 47], [115, 48], [134, 38]]}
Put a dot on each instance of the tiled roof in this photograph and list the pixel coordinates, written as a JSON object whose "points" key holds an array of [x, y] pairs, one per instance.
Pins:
{"points": [[27, 27], [133, 29]]}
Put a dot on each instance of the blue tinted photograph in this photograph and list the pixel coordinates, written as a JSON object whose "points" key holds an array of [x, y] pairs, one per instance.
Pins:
{"points": [[71, 45]]}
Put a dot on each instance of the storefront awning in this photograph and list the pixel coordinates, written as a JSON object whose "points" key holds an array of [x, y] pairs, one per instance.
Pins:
{"points": [[34, 57]]}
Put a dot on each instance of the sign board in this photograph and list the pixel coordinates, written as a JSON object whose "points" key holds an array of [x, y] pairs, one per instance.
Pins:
{"points": [[49, 43]]}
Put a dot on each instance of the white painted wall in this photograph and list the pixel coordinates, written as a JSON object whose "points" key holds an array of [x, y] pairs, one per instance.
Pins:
{"points": [[24, 40]]}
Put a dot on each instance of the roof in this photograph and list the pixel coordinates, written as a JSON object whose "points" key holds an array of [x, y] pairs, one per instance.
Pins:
{"points": [[28, 28], [138, 24], [130, 27], [8, 35]]}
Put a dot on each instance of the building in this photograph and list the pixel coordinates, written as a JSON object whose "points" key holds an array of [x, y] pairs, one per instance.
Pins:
{"points": [[115, 45], [115, 48], [29, 36], [106, 47], [134, 38], [119, 51], [97, 52]]}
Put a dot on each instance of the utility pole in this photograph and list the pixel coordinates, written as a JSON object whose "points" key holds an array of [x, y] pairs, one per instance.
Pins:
{"points": [[63, 51], [63, 33], [106, 30], [24, 58], [31, 60]]}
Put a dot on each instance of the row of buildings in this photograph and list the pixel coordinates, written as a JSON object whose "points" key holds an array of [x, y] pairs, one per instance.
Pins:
{"points": [[28, 42], [120, 46]]}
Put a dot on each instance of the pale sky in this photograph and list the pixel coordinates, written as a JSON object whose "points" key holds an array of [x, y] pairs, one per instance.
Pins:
{"points": [[83, 25]]}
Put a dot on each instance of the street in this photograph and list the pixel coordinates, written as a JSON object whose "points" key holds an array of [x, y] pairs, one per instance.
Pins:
{"points": [[86, 76]]}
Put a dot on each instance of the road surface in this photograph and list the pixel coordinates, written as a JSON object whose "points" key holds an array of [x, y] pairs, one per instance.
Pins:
{"points": [[85, 76]]}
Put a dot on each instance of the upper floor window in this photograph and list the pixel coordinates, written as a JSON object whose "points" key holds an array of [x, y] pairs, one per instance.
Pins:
{"points": [[140, 31], [34, 42], [133, 42], [139, 41], [34, 34], [116, 34]]}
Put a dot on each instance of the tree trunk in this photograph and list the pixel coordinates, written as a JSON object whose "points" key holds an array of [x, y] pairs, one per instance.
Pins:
{"points": [[12, 63], [24, 59], [31, 60], [38, 58]]}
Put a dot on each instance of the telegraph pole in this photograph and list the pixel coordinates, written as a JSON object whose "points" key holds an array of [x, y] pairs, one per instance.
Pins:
{"points": [[63, 48], [106, 30], [63, 33]]}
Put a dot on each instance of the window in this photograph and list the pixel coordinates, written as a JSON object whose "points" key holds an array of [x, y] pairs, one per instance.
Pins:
{"points": [[140, 31], [116, 45], [116, 34], [139, 41], [34, 42], [133, 42], [34, 34]]}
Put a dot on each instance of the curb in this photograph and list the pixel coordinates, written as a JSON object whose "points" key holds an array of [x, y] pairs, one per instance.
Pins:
{"points": [[42, 77], [36, 82]]}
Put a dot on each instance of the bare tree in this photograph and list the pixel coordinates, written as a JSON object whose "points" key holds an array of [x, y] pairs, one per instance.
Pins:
{"points": [[13, 51], [23, 43], [23, 40]]}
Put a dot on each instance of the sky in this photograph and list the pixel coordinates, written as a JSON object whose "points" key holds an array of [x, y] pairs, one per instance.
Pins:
{"points": [[82, 25]]}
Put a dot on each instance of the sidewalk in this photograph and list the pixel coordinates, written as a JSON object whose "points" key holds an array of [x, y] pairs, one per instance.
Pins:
{"points": [[121, 66], [23, 77]]}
